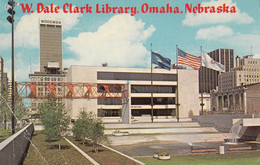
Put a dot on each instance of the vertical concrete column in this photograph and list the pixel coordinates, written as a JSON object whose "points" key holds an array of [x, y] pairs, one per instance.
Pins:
{"points": [[234, 101], [244, 104], [222, 102], [228, 102], [219, 102], [217, 106], [240, 102], [126, 105]]}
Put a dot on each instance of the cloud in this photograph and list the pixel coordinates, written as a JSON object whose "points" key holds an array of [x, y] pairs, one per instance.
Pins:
{"points": [[22, 67], [257, 55], [27, 29], [214, 18], [214, 33], [5, 41], [243, 43], [119, 42]]}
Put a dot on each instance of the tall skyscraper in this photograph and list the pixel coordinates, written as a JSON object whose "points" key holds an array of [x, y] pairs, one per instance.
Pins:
{"points": [[50, 44], [208, 78], [50, 62]]}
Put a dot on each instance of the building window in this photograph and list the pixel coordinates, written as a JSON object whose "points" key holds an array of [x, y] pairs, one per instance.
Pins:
{"points": [[109, 112], [135, 76], [50, 25], [156, 101], [109, 101], [156, 89]]}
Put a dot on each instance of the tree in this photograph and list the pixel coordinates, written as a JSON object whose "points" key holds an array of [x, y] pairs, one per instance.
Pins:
{"points": [[5, 107], [81, 129], [89, 127], [97, 133], [54, 118]]}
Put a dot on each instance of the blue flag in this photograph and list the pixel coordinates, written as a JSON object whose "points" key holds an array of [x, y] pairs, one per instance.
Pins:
{"points": [[162, 62]]}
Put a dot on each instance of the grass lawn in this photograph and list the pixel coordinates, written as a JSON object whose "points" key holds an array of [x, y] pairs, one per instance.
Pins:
{"points": [[104, 156], [51, 153], [245, 158]]}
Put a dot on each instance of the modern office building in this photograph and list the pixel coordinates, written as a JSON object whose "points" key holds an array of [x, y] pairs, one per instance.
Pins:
{"points": [[50, 43], [208, 78], [50, 61], [165, 93]]}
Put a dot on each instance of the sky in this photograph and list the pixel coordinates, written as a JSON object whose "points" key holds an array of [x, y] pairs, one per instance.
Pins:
{"points": [[122, 40]]}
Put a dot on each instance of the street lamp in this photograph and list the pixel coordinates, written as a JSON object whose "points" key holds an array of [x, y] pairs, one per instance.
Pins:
{"points": [[10, 18]]}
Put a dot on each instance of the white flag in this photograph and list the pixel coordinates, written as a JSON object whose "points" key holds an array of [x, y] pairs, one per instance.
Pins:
{"points": [[208, 62]]}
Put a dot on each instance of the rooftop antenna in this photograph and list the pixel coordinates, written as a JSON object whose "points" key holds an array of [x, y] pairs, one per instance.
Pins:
{"points": [[251, 50]]}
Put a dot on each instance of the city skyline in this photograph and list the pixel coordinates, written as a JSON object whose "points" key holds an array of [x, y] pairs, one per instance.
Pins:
{"points": [[124, 40]]}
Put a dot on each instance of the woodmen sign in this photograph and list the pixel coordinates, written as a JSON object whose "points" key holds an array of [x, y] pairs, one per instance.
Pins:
{"points": [[50, 22]]}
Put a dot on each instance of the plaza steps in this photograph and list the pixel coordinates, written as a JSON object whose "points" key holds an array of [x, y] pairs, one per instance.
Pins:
{"points": [[185, 132]]}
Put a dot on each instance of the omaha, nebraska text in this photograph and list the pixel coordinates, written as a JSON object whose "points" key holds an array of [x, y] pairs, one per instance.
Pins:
{"points": [[132, 10]]}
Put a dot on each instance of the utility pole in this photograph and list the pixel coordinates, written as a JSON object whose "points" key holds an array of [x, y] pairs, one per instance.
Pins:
{"points": [[10, 18]]}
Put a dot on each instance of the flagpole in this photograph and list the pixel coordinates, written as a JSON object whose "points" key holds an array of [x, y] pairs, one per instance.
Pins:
{"points": [[151, 85], [201, 85], [177, 99]]}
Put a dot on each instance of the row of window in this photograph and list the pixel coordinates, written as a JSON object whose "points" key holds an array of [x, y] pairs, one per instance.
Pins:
{"points": [[138, 101], [252, 62], [44, 25], [47, 78], [256, 76], [135, 76], [154, 88], [251, 69], [58, 89], [118, 112]]}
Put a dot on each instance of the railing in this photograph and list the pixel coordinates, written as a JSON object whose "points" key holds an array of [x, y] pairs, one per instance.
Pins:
{"points": [[13, 150]]}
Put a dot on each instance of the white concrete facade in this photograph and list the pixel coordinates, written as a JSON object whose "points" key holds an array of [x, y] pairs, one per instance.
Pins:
{"points": [[164, 86], [188, 92]]}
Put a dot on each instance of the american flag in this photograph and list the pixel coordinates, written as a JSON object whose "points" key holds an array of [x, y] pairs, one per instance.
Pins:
{"points": [[188, 59]]}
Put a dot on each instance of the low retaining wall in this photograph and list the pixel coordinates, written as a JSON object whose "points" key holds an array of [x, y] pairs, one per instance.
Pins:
{"points": [[222, 123], [13, 150]]}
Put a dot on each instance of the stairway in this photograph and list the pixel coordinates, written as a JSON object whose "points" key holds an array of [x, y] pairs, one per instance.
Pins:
{"points": [[182, 132]]}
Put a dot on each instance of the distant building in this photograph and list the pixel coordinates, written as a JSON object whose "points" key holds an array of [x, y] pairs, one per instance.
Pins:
{"points": [[247, 71], [239, 89], [50, 43], [1, 73], [164, 95], [206, 102], [42, 90], [208, 78], [3, 90], [244, 99], [3, 77], [50, 62]]}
